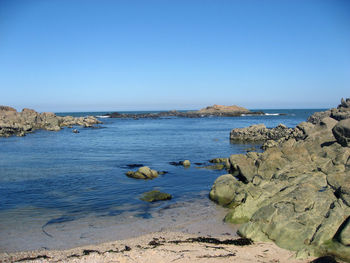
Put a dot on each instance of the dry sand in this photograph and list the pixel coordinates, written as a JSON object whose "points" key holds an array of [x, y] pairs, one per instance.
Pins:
{"points": [[160, 247]]}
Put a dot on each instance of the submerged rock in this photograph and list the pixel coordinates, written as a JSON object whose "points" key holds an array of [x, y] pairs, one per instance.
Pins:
{"points": [[296, 193], [218, 166], [155, 195], [143, 172]]}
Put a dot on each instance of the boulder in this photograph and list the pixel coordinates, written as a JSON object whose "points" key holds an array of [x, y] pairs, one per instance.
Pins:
{"points": [[341, 132], [143, 172], [155, 195], [186, 163], [226, 190]]}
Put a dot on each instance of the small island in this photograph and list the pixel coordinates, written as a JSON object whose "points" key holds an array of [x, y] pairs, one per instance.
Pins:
{"points": [[210, 111]]}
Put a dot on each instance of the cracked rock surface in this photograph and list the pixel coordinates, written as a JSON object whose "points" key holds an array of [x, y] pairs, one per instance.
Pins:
{"points": [[296, 193]]}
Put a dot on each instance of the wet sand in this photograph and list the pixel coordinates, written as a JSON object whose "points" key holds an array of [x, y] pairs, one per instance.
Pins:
{"points": [[161, 247]]}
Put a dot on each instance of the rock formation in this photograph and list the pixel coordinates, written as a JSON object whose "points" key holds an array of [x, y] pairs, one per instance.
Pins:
{"points": [[259, 133], [342, 112], [20, 123], [297, 192], [215, 110]]}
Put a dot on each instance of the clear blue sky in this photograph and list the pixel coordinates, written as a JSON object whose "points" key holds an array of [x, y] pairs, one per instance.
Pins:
{"points": [[78, 55]]}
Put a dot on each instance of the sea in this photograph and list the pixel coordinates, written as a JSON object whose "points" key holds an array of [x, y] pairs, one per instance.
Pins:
{"points": [[60, 190]]}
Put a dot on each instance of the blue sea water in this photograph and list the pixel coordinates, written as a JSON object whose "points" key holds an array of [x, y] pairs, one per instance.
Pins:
{"points": [[49, 181]]}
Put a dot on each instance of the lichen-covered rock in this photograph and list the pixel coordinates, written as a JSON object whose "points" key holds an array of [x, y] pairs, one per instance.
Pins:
{"points": [[296, 193], [143, 172], [155, 195], [226, 190]]}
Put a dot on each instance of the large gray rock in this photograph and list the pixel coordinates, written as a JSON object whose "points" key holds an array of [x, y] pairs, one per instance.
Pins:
{"points": [[341, 132]]}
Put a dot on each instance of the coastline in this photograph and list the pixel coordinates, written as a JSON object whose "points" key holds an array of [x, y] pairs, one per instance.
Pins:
{"points": [[161, 247]]}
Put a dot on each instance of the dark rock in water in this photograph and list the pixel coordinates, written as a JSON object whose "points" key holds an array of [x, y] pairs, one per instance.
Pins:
{"points": [[341, 132], [176, 163], [185, 163], [218, 166], [215, 110], [155, 195], [218, 160], [324, 259], [75, 131]]}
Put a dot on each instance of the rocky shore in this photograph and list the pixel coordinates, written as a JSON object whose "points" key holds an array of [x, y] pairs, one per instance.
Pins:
{"points": [[26, 121], [297, 192], [215, 110]]}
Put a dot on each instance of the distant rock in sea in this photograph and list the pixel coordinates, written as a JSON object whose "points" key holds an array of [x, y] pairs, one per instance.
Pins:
{"points": [[215, 110], [20, 123]]}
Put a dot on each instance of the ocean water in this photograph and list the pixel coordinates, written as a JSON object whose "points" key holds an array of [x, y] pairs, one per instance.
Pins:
{"points": [[61, 189]]}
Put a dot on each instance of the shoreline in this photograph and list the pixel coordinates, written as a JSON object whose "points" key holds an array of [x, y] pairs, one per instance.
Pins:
{"points": [[162, 247]]}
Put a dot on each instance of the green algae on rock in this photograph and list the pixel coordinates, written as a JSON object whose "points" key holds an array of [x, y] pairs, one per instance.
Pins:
{"points": [[296, 193], [155, 195]]}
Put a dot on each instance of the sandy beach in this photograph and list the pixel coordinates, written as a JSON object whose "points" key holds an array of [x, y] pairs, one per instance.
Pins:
{"points": [[163, 247]]}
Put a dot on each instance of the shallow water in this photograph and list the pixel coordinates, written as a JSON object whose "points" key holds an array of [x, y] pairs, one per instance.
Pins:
{"points": [[61, 189]]}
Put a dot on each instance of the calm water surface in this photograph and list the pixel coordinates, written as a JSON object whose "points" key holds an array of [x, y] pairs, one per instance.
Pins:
{"points": [[60, 189]]}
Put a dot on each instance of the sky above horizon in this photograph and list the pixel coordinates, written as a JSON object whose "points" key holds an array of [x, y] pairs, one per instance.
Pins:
{"points": [[89, 55]]}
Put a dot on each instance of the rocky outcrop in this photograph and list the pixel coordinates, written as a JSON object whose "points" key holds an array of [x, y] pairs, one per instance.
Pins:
{"points": [[342, 112], [296, 193], [20, 123], [219, 110], [259, 133], [215, 110]]}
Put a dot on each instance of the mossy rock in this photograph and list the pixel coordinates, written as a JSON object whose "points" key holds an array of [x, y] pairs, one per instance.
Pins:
{"points": [[155, 195]]}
